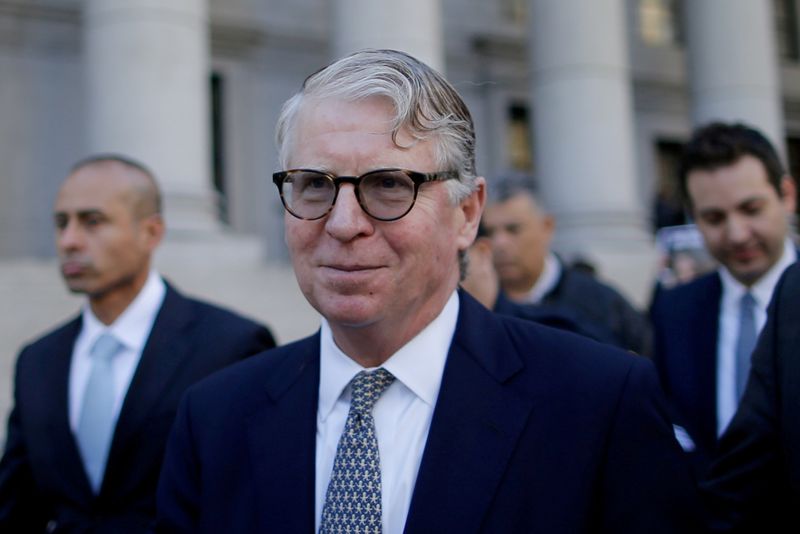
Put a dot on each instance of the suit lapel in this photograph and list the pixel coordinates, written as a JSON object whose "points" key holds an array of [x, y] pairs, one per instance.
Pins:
{"points": [[282, 436], [475, 428], [56, 387], [164, 352], [705, 359]]}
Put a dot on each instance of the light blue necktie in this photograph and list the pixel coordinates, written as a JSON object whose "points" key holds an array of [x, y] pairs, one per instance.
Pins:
{"points": [[353, 499], [745, 342], [96, 423]]}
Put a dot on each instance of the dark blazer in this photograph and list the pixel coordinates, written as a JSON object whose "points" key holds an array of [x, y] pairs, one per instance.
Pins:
{"points": [[600, 308], [43, 486], [534, 430], [754, 485], [685, 322], [554, 315]]}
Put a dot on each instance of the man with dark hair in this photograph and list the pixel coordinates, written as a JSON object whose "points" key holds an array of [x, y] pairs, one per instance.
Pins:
{"points": [[414, 409], [705, 331], [520, 232], [95, 398]]}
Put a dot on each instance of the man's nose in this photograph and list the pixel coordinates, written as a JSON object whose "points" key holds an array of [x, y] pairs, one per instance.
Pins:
{"points": [[738, 229], [347, 219], [70, 237]]}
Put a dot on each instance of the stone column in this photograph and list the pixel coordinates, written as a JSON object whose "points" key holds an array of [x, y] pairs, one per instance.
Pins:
{"points": [[583, 136], [412, 26], [733, 65], [147, 86]]}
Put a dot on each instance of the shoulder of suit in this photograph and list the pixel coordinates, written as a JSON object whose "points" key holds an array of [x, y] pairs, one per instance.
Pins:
{"points": [[577, 283], [209, 311], [266, 361], [699, 287], [69, 328]]}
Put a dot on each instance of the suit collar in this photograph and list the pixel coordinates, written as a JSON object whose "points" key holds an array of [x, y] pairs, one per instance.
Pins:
{"points": [[166, 349], [476, 425], [56, 383], [281, 429]]}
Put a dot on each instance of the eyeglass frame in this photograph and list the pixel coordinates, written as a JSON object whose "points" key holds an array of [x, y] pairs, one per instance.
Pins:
{"points": [[418, 178]]}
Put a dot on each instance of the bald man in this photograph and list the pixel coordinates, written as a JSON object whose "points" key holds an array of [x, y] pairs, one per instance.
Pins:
{"points": [[95, 398]]}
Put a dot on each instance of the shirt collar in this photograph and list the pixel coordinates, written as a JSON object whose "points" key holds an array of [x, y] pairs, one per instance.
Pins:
{"points": [[763, 288], [418, 365], [548, 279], [133, 326]]}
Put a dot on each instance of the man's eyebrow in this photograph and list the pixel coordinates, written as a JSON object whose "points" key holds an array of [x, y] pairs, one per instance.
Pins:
{"points": [[81, 214]]}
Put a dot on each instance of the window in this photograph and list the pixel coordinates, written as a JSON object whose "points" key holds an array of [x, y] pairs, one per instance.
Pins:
{"points": [[660, 22], [667, 204], [520, 152], [793, 155], [218, 146], [786, 28]]}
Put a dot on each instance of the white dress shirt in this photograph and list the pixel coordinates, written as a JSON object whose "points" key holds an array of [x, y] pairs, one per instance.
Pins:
{"points": [[131, 329], [402, 414], [548, 279], [728, 332]]}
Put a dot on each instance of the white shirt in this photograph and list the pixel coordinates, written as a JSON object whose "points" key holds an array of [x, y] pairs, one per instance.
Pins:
{"points": [[548, 279], [402, 414], [732, 292], [131, 329]]}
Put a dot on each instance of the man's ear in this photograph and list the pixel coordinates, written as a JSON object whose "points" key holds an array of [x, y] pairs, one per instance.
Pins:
{"points": [[789, 193], [154, 229], [472, 209]]}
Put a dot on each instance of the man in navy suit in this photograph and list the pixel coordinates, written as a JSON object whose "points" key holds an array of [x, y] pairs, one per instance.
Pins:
{"points": [[87, 432], [414, 409], [741, 199], [754, 483]]}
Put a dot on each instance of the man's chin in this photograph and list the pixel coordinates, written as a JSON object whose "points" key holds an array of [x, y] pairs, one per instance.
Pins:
{"points": [[748, 275]]}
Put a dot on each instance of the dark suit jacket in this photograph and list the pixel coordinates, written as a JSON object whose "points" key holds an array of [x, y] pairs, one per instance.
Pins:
{"points": [[600, 308], [43, 486], [554, 315], [686, 321], [534, 430], [754, 485]]}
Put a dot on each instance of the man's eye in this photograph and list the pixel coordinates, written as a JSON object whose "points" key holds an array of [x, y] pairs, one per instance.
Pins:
{"points": [[316, 183], [713, 219], [751, 209], [387, 182]]}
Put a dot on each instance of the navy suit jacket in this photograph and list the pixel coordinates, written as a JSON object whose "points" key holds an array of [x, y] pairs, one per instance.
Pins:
{"points": [[43, 486], [686, 324], [534, 430], [754, 485]]}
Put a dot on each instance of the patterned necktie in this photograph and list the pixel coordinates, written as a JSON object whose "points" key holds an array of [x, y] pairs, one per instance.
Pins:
{"points": [[353, 500], [745, 342], [96, 423]]}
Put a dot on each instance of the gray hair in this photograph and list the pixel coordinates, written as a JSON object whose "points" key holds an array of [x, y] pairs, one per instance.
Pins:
{"points": [[426, 105]]}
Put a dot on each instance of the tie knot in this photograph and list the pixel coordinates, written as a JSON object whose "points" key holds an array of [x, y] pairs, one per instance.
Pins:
{"points": [[106, 347], [748, 302], [368, 387]]}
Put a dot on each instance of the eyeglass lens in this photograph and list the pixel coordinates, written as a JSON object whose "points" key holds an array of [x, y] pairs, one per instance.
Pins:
{"points": [[384, 194]]}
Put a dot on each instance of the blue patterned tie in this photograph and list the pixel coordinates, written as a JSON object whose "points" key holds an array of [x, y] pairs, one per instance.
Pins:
{"points": [[96, 423], [745, 342], [353, 500]]}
